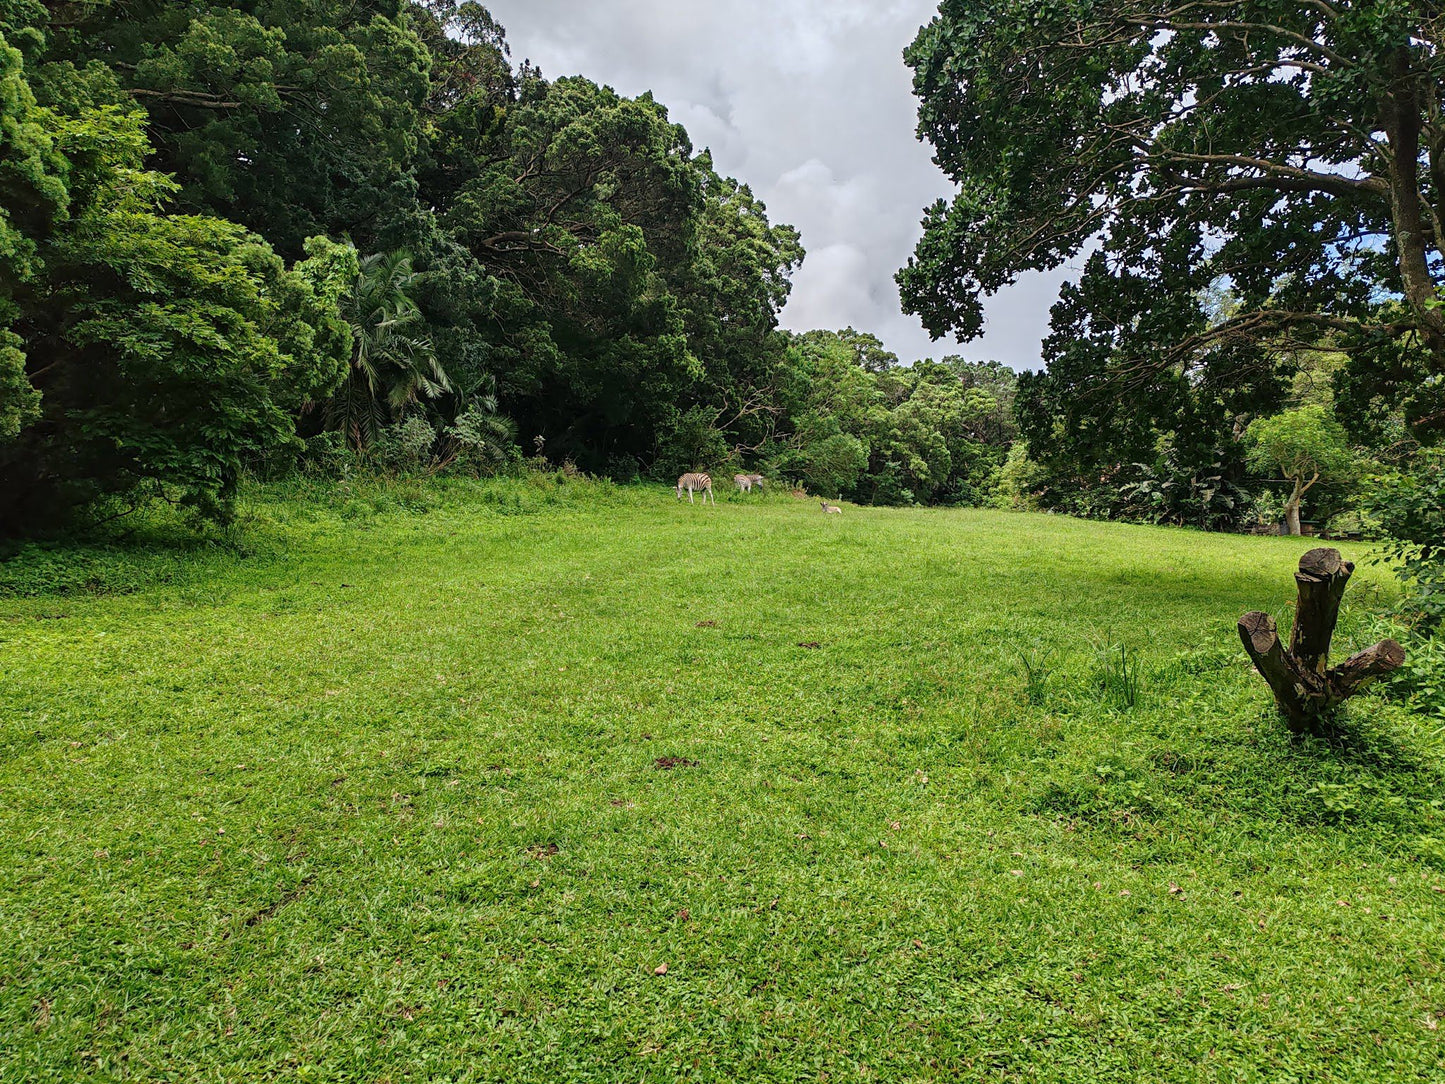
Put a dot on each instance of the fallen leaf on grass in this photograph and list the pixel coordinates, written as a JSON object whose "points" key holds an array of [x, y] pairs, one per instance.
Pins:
{"points": [[666, 764], [811, 645], [660, 969]]}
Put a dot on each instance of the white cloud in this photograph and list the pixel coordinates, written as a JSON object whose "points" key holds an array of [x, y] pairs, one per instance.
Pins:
{"points": [[831, 289], [809, 102]]}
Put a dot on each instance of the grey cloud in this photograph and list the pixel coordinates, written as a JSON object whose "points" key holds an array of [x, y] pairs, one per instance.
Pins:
{"points": [[809, 102]]}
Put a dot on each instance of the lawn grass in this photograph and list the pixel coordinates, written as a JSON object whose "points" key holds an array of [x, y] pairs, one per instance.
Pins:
{"points": [[376, 796]]}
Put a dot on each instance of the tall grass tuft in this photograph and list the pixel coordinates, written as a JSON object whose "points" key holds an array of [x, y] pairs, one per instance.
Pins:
{"points": [[1036, 662], [1117, 675]]}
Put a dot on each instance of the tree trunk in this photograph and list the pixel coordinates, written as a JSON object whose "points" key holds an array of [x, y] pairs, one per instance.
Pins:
{"points": [[1306, 690], [1291, 518], [1322, 578], [1291, 508], [1294, 687], [1401, 120]]}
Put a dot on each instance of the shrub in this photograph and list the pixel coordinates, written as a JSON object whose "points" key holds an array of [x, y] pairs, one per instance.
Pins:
{"points": [[480, 441], [1409, 505], [405, 447], [1018, 482]]}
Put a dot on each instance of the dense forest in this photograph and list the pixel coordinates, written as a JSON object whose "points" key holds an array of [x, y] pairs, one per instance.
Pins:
{"points": [[281, 235]]}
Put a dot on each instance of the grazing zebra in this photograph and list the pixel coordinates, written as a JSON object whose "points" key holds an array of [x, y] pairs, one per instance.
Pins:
{"points": [[745, 482], [831, 509], [693, 483]]}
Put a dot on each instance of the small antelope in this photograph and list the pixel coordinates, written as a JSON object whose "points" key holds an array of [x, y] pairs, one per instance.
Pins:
{"points": [[694, 483], [745, 482], [831, 509]]}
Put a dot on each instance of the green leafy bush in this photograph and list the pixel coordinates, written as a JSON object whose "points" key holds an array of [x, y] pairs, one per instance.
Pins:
{"points": [[481, 441], [406, 447], [1409, 505], [1018, 482]]}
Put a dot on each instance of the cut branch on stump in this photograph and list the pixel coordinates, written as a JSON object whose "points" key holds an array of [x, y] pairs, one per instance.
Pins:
{"points": [[1305, 688], [1322, 578]]}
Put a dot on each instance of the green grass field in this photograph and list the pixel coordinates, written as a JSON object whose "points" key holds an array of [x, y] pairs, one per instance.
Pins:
{"points": [[534, 781]]}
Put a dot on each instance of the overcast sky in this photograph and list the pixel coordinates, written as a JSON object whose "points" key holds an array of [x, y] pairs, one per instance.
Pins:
{"points": [[809, 102]]}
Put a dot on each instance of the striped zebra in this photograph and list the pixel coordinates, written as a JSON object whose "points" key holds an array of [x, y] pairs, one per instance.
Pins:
{"points": [[745, 482], [694, 483]]}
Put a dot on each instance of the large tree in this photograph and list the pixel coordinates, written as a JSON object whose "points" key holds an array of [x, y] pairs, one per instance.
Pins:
{"points": [[1292, 150], [146, 353], [33, 198]]}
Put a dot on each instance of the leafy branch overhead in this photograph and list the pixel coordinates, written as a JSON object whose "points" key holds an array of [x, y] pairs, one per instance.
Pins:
{"points": [[1295, 151]]}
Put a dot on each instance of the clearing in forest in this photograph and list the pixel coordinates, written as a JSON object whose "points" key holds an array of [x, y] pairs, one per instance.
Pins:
{"points": [[548, 780]]}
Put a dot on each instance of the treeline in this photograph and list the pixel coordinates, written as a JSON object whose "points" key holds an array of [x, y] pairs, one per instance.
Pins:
{"points": [[1260, 452], [270, 234]]}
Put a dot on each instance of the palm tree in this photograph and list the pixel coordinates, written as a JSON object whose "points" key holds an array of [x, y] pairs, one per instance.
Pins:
{"points": [[393, 364], [479, 432]]}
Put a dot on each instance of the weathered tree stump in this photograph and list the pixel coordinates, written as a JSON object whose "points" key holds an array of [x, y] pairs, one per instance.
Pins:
{"points": [[1306, 689]]}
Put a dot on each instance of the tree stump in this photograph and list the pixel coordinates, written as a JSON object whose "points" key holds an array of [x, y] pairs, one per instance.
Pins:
{"points": [[1305, 687]]}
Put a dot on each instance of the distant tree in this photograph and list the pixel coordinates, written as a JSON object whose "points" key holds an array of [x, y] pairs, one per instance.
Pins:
{"points": [[1000, 383], [1306, 445], [586, 205], [732, 285], [1291, 150], [871, 355], [833, 464]]}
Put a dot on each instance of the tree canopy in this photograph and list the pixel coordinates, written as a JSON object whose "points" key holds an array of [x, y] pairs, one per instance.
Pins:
{"points": [[146, 352], [1293, 152]]}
